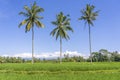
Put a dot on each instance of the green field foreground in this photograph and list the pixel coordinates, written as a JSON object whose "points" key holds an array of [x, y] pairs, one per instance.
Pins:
{"points": [[64, 71]]}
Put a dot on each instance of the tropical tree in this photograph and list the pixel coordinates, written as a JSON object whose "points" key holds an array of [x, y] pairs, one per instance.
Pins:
{"points": [[89, 15], [105, 55], [95, 56], [62, 24], [32, 18]]}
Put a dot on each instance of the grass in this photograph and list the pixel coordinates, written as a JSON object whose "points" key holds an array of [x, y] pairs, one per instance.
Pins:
{"points": [[70, 76], [72, 66], [64, 71]]}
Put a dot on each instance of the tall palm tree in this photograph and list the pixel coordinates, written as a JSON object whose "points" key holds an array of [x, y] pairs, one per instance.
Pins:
{"points": [[32, 19], [62, 24], [89, 15]]}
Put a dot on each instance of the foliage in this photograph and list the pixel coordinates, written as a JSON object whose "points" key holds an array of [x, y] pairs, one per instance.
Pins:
{"points": [[11, 60], [62, 24], [104, 55], [73, 59], [89, 15], [32, 17], [101, 56]]}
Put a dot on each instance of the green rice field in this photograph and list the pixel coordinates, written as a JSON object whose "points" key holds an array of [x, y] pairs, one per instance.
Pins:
{"points": [[64, 71]]}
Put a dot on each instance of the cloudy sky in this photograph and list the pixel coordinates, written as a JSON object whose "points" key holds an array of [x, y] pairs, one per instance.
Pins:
{"points": [[105, 33]]}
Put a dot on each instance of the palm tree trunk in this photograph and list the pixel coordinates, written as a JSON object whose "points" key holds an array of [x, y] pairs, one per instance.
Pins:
{"points": [[32, 44], [60, 50], [90, 44]]}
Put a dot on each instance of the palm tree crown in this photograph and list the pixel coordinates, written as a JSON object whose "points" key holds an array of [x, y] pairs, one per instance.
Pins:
{"points": [[63, 25], [88, 14], [32, 17]]}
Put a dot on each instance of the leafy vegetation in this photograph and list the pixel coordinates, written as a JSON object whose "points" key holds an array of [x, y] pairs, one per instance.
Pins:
{"points": [[102, 55]]}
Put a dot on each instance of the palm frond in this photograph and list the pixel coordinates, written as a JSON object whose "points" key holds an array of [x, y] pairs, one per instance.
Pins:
{"points": [[83, 18], [54, 23], [63, 23], [90, 23], [39, 24], [62, 33], [28, 26], [32, 17], [24, 14], [88, 14], [54, 31], [33, 6], [67, 37], [92, 7], [40, 10], [66, 22], [95, 13], [23, 22], [83, 11], [60, 18], [68, 28], [64, 18], [38, 17], [27, 9]]}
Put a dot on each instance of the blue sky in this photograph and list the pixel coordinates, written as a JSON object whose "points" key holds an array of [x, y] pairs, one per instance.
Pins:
{"points": [[105, 33]]}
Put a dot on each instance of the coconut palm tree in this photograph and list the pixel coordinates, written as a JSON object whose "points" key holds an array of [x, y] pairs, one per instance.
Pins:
{"points": [[32, 19], [62, 24], [89, 15]]}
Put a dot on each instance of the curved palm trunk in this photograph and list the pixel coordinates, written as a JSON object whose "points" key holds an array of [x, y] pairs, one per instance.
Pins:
{"points": [[90, 44], [60, 50], [32, 45]]}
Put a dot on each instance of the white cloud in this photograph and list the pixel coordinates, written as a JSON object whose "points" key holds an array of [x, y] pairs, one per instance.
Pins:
{"points": [[48, 55]]}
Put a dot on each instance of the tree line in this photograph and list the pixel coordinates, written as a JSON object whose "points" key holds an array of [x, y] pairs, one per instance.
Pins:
{"points": [[102, 55]]}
